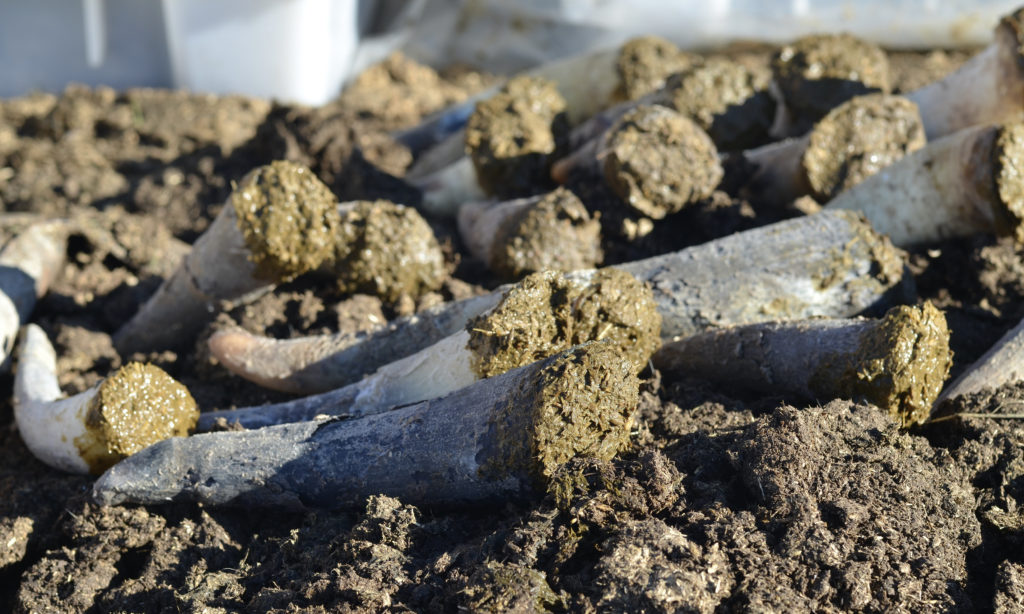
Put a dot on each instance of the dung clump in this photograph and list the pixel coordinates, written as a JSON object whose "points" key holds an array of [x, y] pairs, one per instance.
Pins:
{"points": [[726, 99], [288, 218], [645, 62], [817, 73], [1008, 158], [900, 365], [386, 250], [658, 161], [507, 587], [513, 137], [546, 313], [859, 138], [135, 407], [556, 232], [582, 404]]}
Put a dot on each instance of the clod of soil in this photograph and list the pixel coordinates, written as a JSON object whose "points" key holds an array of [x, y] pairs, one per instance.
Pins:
{"points": [[514, 136], [859, 138], [902, 364], [546, 313], [557, 233], [135, 407], [386, 250], [658, 161], [288, 218], [817, 73], [645, 62], [728, 100]]}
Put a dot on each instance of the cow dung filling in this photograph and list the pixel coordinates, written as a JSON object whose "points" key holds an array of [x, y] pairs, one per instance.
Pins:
{"points": [[657, 161], [388, 251], [725, 98], [579, 404], [135, 407], [513, 137], [1008, 158], [556, 232], [547, 313], [645, 62], [858, 139], [900, 365], [288, 218], [818, 73]]}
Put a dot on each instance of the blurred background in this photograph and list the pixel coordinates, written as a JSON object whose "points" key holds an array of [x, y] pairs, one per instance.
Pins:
{"points": [[305, 50]]}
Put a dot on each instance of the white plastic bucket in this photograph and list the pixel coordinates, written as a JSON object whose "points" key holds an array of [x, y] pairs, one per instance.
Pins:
{"points": [[292, 50]]}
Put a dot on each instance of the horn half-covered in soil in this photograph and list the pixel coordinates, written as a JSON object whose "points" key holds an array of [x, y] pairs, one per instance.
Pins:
{"points": [[899, 362], [28, 263], [134, 407], [279, 222], [499, 439], [966, 183], [543, 314], [831, 264]]}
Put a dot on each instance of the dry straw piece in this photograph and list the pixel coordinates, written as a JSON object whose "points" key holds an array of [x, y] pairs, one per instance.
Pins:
{"points": [[496, 440], [132, 408]]}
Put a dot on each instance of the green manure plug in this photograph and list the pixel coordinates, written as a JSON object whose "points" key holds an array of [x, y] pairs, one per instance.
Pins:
{"points": [[552, 231], [654, 159], [28, 264], [831, 264], [279, 222], [499, 439], [988, 88], [852, 142], [898, 362], [543, 314], [966, 183], [136, 406]]}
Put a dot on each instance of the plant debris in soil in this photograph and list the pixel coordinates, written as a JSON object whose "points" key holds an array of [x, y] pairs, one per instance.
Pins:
{"points": [[723, 502]]}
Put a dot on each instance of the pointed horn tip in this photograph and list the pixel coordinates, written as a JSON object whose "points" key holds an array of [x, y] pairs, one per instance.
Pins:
{"points": [[560, 170], [232, 346], [239, 351]]}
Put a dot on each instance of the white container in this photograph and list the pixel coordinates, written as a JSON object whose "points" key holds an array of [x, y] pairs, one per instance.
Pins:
{"points": [[291, 50]]}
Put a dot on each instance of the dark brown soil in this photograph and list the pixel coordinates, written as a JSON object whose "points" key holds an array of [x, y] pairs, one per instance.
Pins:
{"points": [[723, 503]]}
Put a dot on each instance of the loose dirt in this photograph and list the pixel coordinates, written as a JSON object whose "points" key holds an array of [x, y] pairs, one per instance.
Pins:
{"points": [[721, 503]]}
